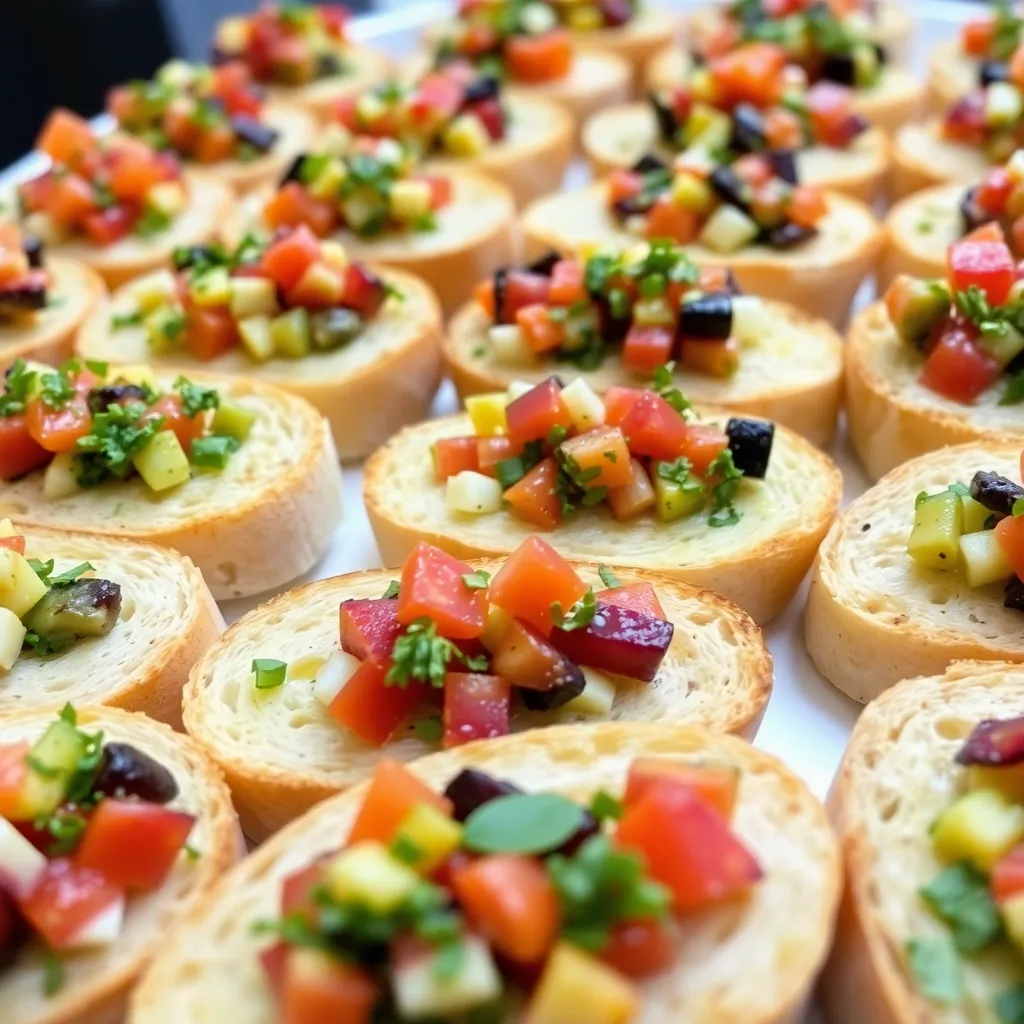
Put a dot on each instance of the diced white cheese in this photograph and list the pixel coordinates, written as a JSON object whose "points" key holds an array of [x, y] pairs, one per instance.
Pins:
{"points": [[332, 677], [103, 930], [585, 407], [21, 864], [598, 695], [508, 345], [473, 493], [419, 992]]}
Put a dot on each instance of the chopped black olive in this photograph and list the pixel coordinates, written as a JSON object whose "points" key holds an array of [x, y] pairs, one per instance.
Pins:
{"points": [[839, 67], [970, 212], [545, 264], [14, 930], [486, 87], [75, 611], [500, 280], [790, 235], [649, 162], [783, 163], [569, 686], [750, 442], [294, 172], [260, 136], [995, 492], [993, 71], [100, 399], [125, 771], [730, 187], [23, 298], [34, 250], [334, 328], [189, 255], [748, 134], [471, 789], [219, 56], [665, 118], [630, 206], [708, 317], [1014, 594], [327, 64]]}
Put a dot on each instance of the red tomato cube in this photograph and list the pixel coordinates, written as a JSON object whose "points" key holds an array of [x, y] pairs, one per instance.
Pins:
{"points": [[287, 259], [958, 367], [454, 455], [531, 416], [476, 707], [637, 597], [433, 587], [20, 453], [1007, 877], [618, 401], [369, 627], [986, 265], [317, 988], [533, 498], [716, 785], [370, 708], [393, 792], [654, 428]]}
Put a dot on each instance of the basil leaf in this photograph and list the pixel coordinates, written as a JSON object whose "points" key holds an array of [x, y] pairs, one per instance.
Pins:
{"points": [[1009, 1005], [392, 592], [936, 968], [529, 823], [605, 806], [960, 896]]}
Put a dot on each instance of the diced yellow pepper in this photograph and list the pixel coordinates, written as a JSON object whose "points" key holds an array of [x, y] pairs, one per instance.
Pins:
{"points": [[368, 875], [432, 834], [1009, 780], [576, 987], [488, 413], [980, 826]]}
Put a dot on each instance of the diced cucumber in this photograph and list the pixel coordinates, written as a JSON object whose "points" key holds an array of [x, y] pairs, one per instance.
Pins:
{"points": [[52, 760], [290, 333], [473, 493], [331, 329], [12, 636], [922, 305], [328, 182], [167, 198], [975, 514], [211, 288], [368, 875], [60, 479], [409, 200], [233, 419], [728, 229], [20, 587], [934, 542], [165, 326], [162, 463], [253, 296], [982, 559], [363, 210], [1005, 346], [256, 337], [598, 696], [673, 499], [584, 405], [866, 66], [706, 122], [981, 826], [434, 836]]}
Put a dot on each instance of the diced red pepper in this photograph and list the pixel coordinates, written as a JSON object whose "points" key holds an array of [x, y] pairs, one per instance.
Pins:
{"points": [[476, 707], [433, 587]]}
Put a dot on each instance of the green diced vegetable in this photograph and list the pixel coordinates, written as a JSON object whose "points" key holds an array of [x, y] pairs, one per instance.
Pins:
{"points": [[1003, 345], [936, 968], [975, 514], [926, 305], [211, 288], [269, 672], [676, 491], [256, 337], [982, 559], [334, 328], [162, 463], [233, 420], [938, 526], [290, 333]]}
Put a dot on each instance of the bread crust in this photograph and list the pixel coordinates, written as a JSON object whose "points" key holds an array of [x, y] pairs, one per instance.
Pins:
{"points": [[617, 137], [98, 984], [281, 752], [821, 277], [47, 336], [918, 231], [757, 563], [873, 615], [790, 371], [209, 967], [922, 158], [261, 522], [951, 74], [383, 380], [636, 43], [892, 418], [897, 774]]}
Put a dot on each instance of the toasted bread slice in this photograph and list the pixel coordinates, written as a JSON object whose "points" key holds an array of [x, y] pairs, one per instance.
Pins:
{"points": [[168, 619], [751, 962], [46, 336], [892, 418], [791, 367], [618, 136], [757, 563], [475, 235], [874, 616], [97, 983], [636, 42], [820, 277], [951, 74], [918, 231], [921, 157], [897, 775], [282, 753], [367, 390], [897, 98], [261, 522]]}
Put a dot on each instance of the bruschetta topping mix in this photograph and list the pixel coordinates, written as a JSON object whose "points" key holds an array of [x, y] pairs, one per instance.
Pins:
{"points": [[546, 452], [757, 200], [202, 114], [290, 43], [45, 611], [998, 197], [993, 39], [24, 280], [86, 425], [977, 899], [369, 187], [991, 117], [454, 111], [84, 828], [968, 328], [102, 188], [487, 902], [289, 298], [651, 306]]}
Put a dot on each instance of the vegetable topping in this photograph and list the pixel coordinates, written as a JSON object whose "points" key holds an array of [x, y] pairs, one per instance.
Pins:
{"points": [[524, 898], [290, 43], [85, 425], [84, 827], [292, 297], [203, 114], [993, 38], [999, 198], [24, 282], [103, 188]]}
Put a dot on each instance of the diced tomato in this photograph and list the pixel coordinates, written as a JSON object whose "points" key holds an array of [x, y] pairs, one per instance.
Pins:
{"points": [[185, 428], [57, 430], [455, 455], [369, 627], [540, 333], [512, 902], [442, 94], [491, 116], [364, 291], [72, 200], [293, 206], [533, 498], [532, 416], [965, 120], [667, 219], [369, 707], [105, 227], [483, 292], [441, 189], [542, 58], [433, 587], [637, 597], [976, 36], [65, 900], [715, 785], [318, 988], [829, 106], [211, 332], [618, 401], [522, 288], [636, 496], [13, 770], [274, 961], [393, 792], [1010, 537], [782, 129], [994, 190], [215, 144], [689, 847], [987, 266], [702, 445], [133, 171], [1016, 67], [958, 367], [603, 449], [750, 74], [711, 358], [534, 576], [297, 891], [35, 193], [492, 450], [640, 948], [287, 259], [20, 452], [624, 185], [1017, 238], [334, 18], [476, 707], [654, 428], [755, 169], [1007, 878], [16, 543], [806, 206], [989, 232], [66, 138], [567, 283], [647, 347]]}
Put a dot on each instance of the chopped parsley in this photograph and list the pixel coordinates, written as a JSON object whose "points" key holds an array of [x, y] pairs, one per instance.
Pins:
{"points": [[420, 655], [579, 616], [723, 512], [117, 434], [195, 398]]}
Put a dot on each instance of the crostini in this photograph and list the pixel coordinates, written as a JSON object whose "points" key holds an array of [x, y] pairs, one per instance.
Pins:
{"points": [[43, 301], [629, 646], [633, 479], [449, 230], [96, 620], [301, 52], [807, 248], [295, 313], [927, 804], [621, 319], [936, 362], [727, 836], [238, 476], [114, 829], [112, 202], [920, 571], [742, 103], [215, 119]]}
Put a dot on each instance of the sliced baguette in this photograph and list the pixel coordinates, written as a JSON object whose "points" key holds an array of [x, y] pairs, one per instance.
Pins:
{"points": [[874, 616], [383, 380], [636, 42], [618, 136], [951, 74], [892, 417], [897, 775], [922, 158], [751, 962], [168, 619], [918, 231], [282, 753], [261, 522], [791, 368], [46, 336], [820, 277], [97, 983], [757, 563], [897, 98]]}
